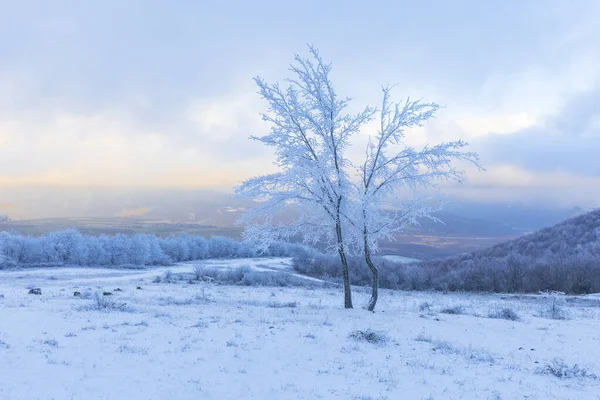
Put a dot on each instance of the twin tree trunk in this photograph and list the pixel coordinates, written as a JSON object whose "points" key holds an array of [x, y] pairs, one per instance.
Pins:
{"points": [[375, 283], [345, 274]]}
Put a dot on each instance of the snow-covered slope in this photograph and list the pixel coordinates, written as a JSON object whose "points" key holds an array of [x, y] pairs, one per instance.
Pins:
{"points": [[207, 341]]}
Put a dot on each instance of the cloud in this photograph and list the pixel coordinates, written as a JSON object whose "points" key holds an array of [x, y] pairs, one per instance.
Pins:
{"points": [[510, 183], [7, 206], [206, 144], [134, 212], [147, 94], [566, 142]]}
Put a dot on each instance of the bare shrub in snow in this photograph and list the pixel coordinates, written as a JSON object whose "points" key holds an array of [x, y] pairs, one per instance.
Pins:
{"points": [[471, 353], [132, 350], [561, 369], [505, 313], [275, 304], [444, 347], [369, 336], [454, 310], [104, 303], [199, 272], [50, 342], [424, 338], [200, 298], [555, 307], [168, 276], [87, 294]]}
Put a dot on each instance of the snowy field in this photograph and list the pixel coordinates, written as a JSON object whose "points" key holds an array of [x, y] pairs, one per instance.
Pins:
{"points": [[190, 339], [400, 259]]}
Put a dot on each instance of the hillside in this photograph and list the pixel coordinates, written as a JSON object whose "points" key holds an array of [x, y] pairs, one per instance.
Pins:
{"points": [[563, 257]]}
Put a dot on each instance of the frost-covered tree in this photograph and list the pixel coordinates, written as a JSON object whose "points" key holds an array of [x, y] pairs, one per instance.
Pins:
{"points": [[310, 132], [390, 166]]}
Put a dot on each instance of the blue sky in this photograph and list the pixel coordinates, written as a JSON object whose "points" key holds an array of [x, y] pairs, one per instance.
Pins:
{"points": [[155, 93]]}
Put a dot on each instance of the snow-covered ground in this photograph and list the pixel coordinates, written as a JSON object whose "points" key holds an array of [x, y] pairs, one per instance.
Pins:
{"points": [[202, 340], [400, 259]]}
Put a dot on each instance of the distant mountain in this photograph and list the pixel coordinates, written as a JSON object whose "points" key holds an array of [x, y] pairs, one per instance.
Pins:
{"points": [[466, 226], [563, 257], [566, 238], [166, 205], [515, 216]]}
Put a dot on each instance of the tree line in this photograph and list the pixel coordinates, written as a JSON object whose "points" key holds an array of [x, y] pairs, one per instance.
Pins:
{"points": [[564, 258], [70, 247]]}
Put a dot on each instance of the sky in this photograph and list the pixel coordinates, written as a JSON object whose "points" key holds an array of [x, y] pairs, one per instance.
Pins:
{"points": [[160, 94]]}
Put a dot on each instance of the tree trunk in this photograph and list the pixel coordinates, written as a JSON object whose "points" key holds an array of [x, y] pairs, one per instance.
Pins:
{"points": [[374, 271], [345, 274]]}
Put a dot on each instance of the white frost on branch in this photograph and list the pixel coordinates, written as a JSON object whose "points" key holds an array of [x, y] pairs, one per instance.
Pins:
{"points": [[385, 172], [310, 132]]}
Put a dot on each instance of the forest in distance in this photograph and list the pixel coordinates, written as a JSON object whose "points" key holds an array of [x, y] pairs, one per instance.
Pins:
{"points": [[565, 257]]}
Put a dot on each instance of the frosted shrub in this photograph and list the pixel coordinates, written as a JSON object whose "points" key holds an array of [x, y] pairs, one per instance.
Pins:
{"points": [[505, 313], [560, 369], [556, 302], [275, 304], [454, 310], [369, 336], [104, 303]]}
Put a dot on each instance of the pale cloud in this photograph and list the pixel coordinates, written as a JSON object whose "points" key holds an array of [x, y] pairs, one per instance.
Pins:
{"points": [[222, 119], [509, 183], [110, 149], [4, 138], [93, 97], [133, 212], [502, 124]]}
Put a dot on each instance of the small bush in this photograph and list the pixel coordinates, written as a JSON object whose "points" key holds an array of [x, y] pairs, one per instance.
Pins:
{"points": [[505, 313], [291, 304], [369, 336], [444, 347], [167, 276], [454, 310], [560, 369], [198, 272], [554, 309], [424, 338], [425, 306], [50, 342], [103, 303], [470, 353]]}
